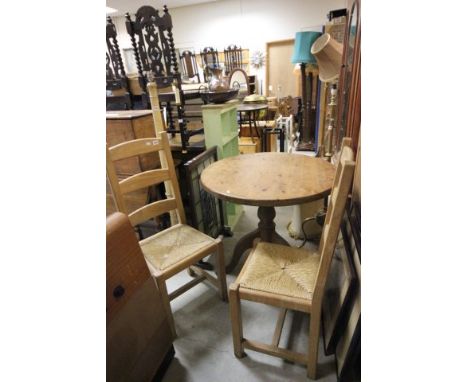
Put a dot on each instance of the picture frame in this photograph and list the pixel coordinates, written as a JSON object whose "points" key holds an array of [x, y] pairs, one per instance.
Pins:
{"points": [[340, 288], [348, 348]]}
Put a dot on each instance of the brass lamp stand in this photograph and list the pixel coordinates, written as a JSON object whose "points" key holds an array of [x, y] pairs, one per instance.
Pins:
{"points": [[327, 51]]}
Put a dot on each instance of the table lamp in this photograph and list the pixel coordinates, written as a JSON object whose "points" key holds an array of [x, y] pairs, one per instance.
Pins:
{"points": [[328, 53], [303, 56]]}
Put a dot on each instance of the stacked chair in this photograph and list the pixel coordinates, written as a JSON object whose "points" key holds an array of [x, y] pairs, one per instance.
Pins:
{"points": [[156, 59]]}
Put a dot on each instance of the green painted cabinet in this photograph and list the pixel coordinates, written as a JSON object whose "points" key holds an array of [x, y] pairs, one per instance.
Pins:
{"points": [[221, 130]]}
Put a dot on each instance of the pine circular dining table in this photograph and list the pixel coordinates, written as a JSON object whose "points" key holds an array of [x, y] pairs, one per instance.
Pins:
{"points": [[267, 180]]}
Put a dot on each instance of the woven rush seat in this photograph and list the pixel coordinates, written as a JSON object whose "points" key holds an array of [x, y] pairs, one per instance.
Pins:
{"points": [[174, 244], [281, 270]]}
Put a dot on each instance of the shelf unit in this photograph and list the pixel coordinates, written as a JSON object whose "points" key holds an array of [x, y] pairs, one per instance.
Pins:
{"points": [[220, 127]]}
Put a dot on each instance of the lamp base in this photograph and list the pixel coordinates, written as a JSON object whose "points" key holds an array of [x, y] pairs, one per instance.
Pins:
{"points": [[305, 146]]}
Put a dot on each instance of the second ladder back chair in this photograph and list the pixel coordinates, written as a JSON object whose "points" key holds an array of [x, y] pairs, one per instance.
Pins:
{"points": [[292, 278], [176, 248]]}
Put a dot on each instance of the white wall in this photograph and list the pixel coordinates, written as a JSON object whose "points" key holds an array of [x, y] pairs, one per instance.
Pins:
{"points": [[248, 23]]}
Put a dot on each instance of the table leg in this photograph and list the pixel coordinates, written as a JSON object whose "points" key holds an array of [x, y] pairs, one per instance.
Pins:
{"points": [[244, 243], [250, 126], [256, 115], [265, 231]]}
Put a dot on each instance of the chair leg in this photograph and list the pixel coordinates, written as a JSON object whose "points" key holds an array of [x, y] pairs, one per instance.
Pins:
{"points": [[221, 271], [161, 283], [236, 320], [314, 333]]}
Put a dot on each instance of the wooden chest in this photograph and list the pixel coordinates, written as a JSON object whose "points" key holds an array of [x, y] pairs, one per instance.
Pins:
{"points": [[139, 339]]}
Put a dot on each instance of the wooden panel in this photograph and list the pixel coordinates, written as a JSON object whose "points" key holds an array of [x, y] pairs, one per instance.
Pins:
{"points": [[125, 126], [144, 128], [138, 335], [133, 200], [118, 131], [125, 265], [246, 146], [279, 69]]}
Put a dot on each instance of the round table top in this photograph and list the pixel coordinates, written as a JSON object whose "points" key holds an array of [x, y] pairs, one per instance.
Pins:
{"points": [[269, 179], [251, 106]]}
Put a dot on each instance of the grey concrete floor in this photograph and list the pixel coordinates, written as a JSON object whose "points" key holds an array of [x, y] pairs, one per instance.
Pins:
{"points": [[204, 350]]}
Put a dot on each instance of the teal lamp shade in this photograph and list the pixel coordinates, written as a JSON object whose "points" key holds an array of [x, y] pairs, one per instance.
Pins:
{"points": [[302, 45]]}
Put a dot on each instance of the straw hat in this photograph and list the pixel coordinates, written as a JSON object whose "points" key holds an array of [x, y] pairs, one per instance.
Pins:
{"points": [[327, 52]]}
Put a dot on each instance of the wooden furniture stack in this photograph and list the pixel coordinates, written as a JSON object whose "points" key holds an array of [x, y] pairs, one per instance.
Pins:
{"points": [[348, 348], [139, 339], [174, 249], [349, 87]]}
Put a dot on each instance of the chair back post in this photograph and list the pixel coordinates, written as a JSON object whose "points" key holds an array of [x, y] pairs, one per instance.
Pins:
{"points": [[336, 207], [159, 127], [159, 124], [166, 158]]}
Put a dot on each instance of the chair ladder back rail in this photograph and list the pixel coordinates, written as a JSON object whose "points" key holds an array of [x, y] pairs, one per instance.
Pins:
{"points": [[152, 210], [333, 222], [173, 177], [135, 147], [347, 142], [114, 183], [143, 180]]}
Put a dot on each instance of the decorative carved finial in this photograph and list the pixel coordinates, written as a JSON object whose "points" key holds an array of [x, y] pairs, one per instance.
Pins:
{"points": [[165, 8]]}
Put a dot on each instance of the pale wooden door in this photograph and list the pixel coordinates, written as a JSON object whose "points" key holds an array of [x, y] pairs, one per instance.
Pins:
{"points": [[279, 69]]}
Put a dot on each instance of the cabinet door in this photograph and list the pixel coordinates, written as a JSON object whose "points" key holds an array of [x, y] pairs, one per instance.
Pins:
{"points": [[138, 334]]}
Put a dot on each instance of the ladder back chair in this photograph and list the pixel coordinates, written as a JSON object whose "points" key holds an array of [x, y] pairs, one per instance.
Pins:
{"points": [[178, 247], [292, 278]]}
